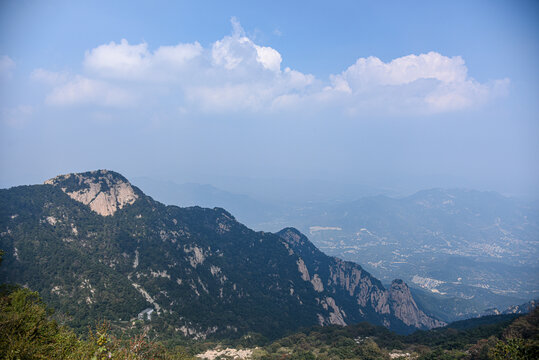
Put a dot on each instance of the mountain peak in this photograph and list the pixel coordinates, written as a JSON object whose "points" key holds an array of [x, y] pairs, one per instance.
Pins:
{"points": [[291, 233], [104, 191], [296, 240], [192, 261]]}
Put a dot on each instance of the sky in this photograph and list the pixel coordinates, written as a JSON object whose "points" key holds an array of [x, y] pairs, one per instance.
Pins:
{"points": [[393, 94]]}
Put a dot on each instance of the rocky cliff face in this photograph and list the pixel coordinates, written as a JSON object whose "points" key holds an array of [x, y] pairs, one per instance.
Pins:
{"points": [[350, 292], [404, 307], [95, 246], [103, 191]]}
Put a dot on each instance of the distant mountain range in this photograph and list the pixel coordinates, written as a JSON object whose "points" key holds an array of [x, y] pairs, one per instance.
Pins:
{"points": [[97, 247], [469, 250], [476, 246]]}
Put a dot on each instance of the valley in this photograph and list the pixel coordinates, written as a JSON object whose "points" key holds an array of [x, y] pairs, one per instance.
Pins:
{"points": [[94, 246], [478, 249], [282, 180]]}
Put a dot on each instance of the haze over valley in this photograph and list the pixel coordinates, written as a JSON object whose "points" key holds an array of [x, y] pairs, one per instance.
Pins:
{"points": [[480, 247], [267, 181]]}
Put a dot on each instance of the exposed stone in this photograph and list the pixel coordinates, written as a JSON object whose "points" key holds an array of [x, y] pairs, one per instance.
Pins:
{"points": [[57, 290], [135, 262], [303, 270], [197, 255], [162, 274], [317, 283], [370, 295], [215, 270], [101, 190], [147, 296], [196, 334], [336, 317], [321, 320], [228, 353], [404, 307]]}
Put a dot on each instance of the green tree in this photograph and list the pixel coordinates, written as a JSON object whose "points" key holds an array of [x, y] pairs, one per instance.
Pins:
{"points": [[26, 332], [513, 349]]}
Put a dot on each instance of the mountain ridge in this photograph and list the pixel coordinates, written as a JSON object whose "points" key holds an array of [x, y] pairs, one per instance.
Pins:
{"points": [[202, 271]]}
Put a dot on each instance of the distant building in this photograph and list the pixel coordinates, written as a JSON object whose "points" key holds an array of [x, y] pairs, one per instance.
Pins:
{"points": [[148, 312]]}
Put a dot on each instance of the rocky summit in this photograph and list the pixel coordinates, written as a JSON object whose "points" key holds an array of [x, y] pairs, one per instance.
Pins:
{"points": [[96, 246], [102, 190]]}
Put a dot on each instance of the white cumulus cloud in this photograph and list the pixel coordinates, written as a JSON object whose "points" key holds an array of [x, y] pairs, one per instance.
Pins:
{"points": [[424, 83], [136, 62], [118, 60], [236, 74], [404, 70], [269, 58]]}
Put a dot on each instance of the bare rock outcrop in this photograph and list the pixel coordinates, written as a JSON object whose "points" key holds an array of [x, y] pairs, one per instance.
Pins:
{"points": [[404, 307], [103, 191], [351, 293]]}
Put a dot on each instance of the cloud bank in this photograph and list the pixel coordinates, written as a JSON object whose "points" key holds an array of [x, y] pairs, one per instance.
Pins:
{"points": [[234, 74]]}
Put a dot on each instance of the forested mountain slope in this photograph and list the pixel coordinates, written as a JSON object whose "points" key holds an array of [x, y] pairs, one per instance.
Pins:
{"points": [[96, 247]]}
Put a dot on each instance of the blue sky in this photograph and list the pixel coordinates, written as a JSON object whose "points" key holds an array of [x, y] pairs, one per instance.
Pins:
{"points": [[389, 93]]}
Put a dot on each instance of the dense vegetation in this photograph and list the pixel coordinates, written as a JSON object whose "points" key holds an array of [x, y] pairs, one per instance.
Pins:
{"points": [[201, 270], [86, 275], [28, 331], [206, 276], [493, 337]]}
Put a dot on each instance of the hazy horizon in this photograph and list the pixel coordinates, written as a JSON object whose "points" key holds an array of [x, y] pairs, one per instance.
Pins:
{"points": [[385, 95]]}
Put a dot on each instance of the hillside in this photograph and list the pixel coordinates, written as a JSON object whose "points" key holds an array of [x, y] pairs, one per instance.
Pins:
{"points": [[474, 249], [491, 337], [27, 331], [96, 247]]}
